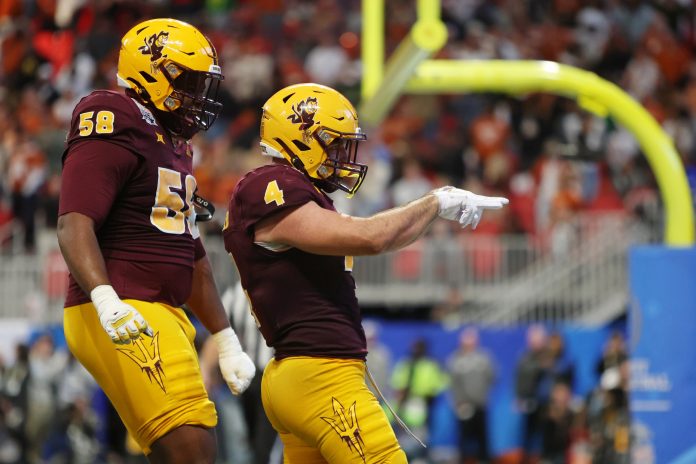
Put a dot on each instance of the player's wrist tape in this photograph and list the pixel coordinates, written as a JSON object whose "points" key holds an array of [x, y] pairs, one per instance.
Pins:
{"points": [[227, 341], [102, 295]]}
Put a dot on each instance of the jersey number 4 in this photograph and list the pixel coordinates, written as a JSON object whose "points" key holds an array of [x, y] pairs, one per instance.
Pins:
{"points": [[172, 209], [273, 194]]}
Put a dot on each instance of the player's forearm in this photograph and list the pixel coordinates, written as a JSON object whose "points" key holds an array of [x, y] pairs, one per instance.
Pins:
{"points": [[80, 248], [204, 300], [398, 227], [321, 231]]}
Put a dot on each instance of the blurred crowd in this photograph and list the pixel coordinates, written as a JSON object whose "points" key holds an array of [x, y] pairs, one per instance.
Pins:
{"points": [[51, 410], [551, 158], [558, 426], [565, 429], [46, 407]]}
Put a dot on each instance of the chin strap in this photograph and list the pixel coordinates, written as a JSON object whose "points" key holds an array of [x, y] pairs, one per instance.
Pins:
{"points": [[295, 160], [398, 419]]}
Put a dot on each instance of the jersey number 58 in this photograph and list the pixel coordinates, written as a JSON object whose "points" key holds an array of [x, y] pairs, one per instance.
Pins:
{"points": [[172, 209]]}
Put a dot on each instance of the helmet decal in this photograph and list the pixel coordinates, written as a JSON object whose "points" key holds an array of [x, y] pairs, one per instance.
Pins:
{"points": [[304, 115], [154, 45]]}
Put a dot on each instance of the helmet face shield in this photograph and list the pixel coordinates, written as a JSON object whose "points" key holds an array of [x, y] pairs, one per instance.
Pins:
{"points": [[340, 168], [194, 98]]}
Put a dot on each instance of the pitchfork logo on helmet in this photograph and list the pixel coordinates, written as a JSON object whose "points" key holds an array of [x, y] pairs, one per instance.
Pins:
{"points": [[154, 45]]}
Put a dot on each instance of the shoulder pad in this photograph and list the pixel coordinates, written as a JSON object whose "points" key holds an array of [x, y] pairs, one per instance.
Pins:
{"points": [[269, 189], [111, 116]]}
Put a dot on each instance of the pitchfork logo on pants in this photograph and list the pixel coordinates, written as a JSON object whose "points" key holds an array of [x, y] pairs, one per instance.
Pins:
{"points": [[148, 359], [346, 426]]}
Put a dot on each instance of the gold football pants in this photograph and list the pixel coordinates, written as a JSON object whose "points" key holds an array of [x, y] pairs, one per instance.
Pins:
{"points": [[154, 383], [325, 413]]}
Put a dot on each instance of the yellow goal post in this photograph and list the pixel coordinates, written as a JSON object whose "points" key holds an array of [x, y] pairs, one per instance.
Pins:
{"points": [[410, 70]]}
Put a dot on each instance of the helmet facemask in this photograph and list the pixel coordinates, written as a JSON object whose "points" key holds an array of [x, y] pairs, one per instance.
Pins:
{"points": [[192, 105], [340, 170]]}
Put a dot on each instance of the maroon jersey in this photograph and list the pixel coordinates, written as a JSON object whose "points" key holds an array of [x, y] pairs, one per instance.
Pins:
{"points": [[121, 169], [305, 303]]}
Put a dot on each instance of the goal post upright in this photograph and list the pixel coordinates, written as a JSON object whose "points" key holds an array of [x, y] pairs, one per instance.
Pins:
{"points": [[409, 70]]}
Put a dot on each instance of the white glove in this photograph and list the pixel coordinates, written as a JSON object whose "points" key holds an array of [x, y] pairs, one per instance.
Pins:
{"points": [[236, 367], [464, 206], [121, 321]]}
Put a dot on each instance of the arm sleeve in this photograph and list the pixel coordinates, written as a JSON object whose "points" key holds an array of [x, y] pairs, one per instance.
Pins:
{"points": [[94, 172]]}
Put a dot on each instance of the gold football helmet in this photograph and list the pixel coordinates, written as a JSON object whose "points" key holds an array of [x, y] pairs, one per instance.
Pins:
{"points": [[173, 67], [316, 129]]}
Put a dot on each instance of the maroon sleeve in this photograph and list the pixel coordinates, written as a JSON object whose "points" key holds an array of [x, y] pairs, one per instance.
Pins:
{"points": [[94, 172], [112, 116], [198, 249], [273, 190]]}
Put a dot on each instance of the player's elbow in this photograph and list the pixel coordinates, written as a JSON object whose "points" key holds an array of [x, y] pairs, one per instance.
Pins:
{"points": [[65, 232], [62, 229], [71, 227]]}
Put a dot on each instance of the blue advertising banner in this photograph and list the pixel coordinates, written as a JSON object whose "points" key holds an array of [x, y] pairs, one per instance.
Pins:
{"points": [[505, 345], [663, 365]]}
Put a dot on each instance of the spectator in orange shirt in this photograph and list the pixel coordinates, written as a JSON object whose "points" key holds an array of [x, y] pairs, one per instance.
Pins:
{"points": [[489, 133]]}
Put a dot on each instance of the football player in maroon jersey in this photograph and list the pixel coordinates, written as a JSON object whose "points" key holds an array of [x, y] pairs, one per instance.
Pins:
{"points": [[127, 229], [294, 254]]}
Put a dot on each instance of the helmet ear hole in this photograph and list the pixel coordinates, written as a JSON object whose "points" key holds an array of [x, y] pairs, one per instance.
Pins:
{"points": [[148, 78], [297, 163], [301, 146], [138, 89]]}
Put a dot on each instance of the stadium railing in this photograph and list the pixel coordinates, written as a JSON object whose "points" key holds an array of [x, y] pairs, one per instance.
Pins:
{"points": [[576, 273]]}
